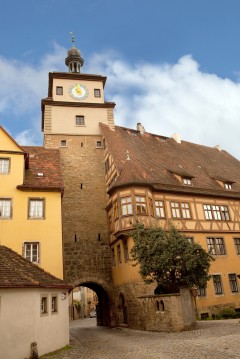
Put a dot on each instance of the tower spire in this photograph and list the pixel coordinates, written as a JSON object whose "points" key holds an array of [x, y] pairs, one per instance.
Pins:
{"points": [[74, 61]]}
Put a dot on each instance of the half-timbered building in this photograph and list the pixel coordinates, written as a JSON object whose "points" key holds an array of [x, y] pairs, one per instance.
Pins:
{"points": [[153, 180]]}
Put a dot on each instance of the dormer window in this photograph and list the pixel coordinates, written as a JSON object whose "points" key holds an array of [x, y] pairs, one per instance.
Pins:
{"points": [[228, 185], [187, 181]]}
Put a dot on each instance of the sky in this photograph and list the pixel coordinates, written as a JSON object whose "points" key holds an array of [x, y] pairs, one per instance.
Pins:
{"points": [[173, 65]]}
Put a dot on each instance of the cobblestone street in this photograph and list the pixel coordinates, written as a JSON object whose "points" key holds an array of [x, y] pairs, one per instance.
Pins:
{"points": [[212, 340]]}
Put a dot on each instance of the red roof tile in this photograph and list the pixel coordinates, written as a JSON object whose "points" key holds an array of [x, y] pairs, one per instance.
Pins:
{"points": [[43, 171], [155, 159], [18, 272]]}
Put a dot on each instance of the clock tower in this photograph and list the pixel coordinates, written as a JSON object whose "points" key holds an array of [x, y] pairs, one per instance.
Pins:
{"points": [[70, 121]]}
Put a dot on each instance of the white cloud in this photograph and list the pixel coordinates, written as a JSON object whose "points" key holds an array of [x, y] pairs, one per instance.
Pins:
{"points": [[168, 98], [165, 98], [23, 85]]}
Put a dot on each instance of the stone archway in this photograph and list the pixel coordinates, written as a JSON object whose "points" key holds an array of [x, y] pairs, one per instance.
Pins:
{"points": [[104, 307]]}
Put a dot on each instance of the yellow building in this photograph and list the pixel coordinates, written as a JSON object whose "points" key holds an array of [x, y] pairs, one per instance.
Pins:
{"points": [[131, 176], [30, 203], [153, 179]]}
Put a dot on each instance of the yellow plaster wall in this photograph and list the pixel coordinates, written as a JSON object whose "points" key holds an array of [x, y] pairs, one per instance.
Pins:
{"points": [[48, 232], [19, 229]]}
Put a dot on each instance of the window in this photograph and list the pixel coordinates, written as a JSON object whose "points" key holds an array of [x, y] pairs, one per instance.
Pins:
{"points": [[237, 244], [220, 246], [63, 143], [185, 210], [44, 305], [217, 282], [202, 292], [5, 208], [59, 90], [98, 144], [80, 121], [97, 93], [216, 246], [119, 255], [159, 206], [187, 181], [126, 252], [175, 210], [219, 213], [180, 210], [216, 213], [227, 185], [31, 251], [36, 208], [233, 282], [54, 304], [141, 205], [207, 211], [4, 165], [225, 213], [126, 204]]}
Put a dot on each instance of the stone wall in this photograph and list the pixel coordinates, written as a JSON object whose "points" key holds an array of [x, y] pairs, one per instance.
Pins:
{"points": [[168, 313]]}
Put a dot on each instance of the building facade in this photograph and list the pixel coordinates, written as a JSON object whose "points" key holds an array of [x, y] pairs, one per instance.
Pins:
{"points": [[30, 203], [114, 177], [34, 308]]}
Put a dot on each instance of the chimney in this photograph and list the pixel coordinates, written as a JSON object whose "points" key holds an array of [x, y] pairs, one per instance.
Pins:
{"points": [[218, 147], [176, 137], [140, 128]]}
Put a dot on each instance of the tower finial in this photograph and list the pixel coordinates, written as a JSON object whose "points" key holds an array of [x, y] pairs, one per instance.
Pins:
{"points": [[74, 61], [73, 38]]}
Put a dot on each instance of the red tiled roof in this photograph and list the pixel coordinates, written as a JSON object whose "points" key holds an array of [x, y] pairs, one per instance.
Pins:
{"points": [[18, 272], [43, 171], [155, 159]]}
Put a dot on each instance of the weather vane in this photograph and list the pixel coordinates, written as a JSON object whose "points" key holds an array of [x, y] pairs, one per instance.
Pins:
{"points": [[73, 38]]}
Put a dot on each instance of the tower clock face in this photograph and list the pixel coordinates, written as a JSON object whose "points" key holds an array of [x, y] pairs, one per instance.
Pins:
{"points": [[78, 92]]}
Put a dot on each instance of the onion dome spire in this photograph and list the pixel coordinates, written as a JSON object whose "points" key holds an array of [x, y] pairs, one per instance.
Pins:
{"points": [[74, 61]]}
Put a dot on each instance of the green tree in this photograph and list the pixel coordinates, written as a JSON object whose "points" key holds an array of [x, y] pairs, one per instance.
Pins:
{"points": [[167, 258]]}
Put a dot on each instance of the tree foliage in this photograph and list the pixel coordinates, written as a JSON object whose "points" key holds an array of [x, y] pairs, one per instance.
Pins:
{"points": [[167, 258]]}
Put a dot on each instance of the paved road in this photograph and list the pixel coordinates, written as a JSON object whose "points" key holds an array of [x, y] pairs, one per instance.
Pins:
{"points": [[212, 340]]}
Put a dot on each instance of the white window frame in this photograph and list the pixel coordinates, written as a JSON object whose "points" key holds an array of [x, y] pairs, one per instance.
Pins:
{"points": [[44, 307], [36, 208], [126, 206], [4, 166], [5, 208], [160, 209], [31, 251], [187, 181]]}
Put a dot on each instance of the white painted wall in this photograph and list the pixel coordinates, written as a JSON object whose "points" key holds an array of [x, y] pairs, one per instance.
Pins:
{"points": [[21, 322]]}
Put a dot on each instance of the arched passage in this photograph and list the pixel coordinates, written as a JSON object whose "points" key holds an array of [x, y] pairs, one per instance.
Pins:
{"points": [[103, 308]]}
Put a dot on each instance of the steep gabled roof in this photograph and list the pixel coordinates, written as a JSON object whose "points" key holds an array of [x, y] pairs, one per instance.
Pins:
{"points": [[18, 272], [43, 171], [155, 160]]}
